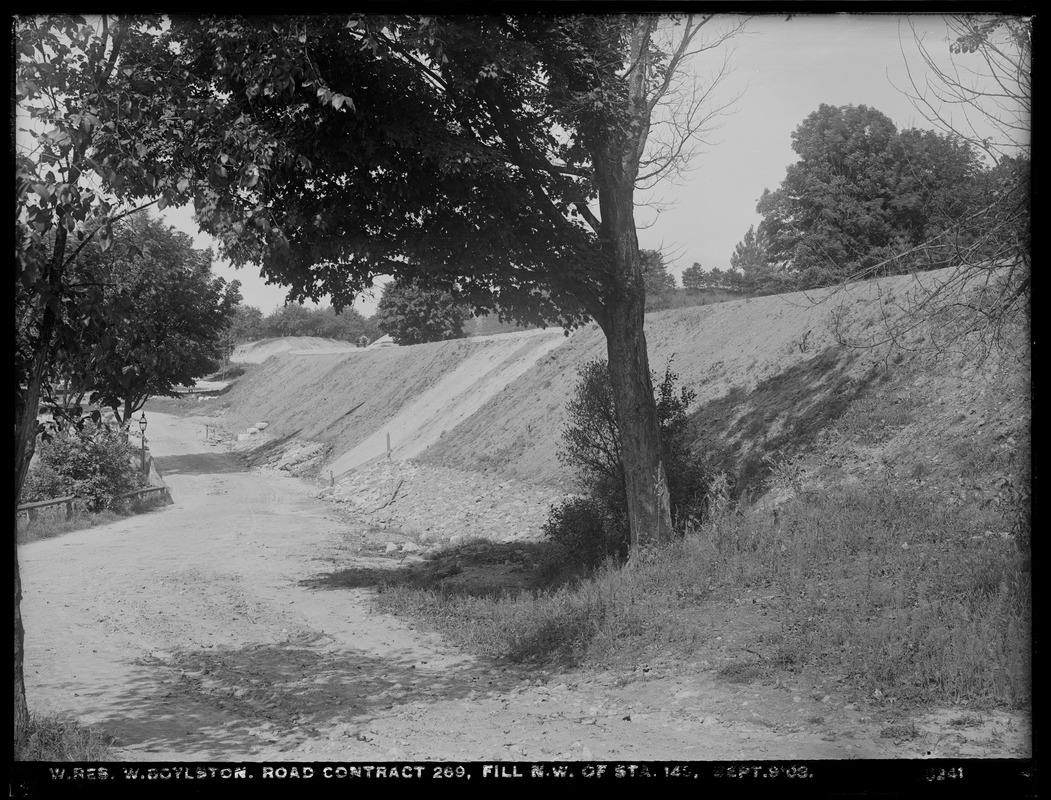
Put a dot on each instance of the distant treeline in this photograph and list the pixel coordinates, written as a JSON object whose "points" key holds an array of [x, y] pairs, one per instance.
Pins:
{"points": [[250, 324]]}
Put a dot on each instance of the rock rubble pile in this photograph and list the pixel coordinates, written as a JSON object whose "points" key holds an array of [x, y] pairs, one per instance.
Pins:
{"points": [[435, 504]]}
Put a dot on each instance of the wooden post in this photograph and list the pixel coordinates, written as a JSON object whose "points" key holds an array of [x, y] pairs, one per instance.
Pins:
{"points": [[388, 444]]}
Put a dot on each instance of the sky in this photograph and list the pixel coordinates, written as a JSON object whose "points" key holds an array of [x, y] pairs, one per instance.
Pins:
{"points": [[783, 70]]}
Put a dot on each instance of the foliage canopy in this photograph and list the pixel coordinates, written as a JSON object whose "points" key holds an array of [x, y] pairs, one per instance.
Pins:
{"points": [[162, 316], [414, 314], [95, 463], [862, 195]]}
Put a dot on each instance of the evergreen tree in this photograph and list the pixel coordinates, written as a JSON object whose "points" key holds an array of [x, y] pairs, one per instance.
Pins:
{"points": [[693, 277]]}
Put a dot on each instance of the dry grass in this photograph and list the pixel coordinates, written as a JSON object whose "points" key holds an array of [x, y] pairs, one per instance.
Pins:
{"points": [[52, 522], [61, 739], [907, 599]]}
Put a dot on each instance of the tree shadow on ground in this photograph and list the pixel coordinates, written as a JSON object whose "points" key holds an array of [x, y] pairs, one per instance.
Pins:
{"points": [[229, 703], [200, 464], [746, 433], [481, 569]]}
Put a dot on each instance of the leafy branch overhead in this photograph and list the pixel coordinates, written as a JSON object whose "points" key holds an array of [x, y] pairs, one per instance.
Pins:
{"points": [[474, 131]]}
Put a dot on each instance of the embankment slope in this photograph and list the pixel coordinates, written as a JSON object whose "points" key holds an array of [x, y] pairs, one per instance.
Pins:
{"points": [[352, 401], [772, 376]]}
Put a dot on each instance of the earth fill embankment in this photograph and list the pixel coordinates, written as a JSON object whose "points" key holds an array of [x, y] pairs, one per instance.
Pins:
{"points": [[772, 377], [353, 401]]}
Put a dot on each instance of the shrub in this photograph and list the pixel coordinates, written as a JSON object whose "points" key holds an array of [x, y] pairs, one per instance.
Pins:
{"points": [[588, 531], [689, 477], [591, 446], [95, 464]]}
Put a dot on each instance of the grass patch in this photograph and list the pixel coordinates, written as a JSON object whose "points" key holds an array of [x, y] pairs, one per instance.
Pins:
{"points": [[53, 738], [888, 587], [906, 596], [618, 615], [51, 522]]}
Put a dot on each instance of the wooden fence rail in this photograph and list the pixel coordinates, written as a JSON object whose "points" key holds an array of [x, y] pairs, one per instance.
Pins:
{"points": [[31, 509], [148, 490]]}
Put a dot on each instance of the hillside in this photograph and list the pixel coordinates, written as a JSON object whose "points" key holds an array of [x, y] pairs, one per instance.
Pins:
{"points": [[350, 401], [772, 375]]}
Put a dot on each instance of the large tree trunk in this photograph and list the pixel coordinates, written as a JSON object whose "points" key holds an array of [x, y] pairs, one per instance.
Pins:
{"points": [[649, 504], [25, 445], [21, 707]]}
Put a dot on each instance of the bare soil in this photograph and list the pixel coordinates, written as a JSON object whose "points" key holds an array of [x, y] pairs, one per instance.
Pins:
{"points": [[209, 630]]}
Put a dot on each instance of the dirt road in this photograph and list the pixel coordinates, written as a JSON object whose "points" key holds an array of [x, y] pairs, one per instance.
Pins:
{"points": [[186, 634]]}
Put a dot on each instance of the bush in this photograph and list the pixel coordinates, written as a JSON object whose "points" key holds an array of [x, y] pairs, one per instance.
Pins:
{"points": [[588, 531], [689, 477], [96, 465], [591, 446]]}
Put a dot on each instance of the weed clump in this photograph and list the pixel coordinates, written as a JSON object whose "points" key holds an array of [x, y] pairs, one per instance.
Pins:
{"points": [[58, 739]]}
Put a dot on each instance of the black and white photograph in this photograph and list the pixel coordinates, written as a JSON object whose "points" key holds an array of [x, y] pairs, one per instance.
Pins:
{"points": [[525, 393]]}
